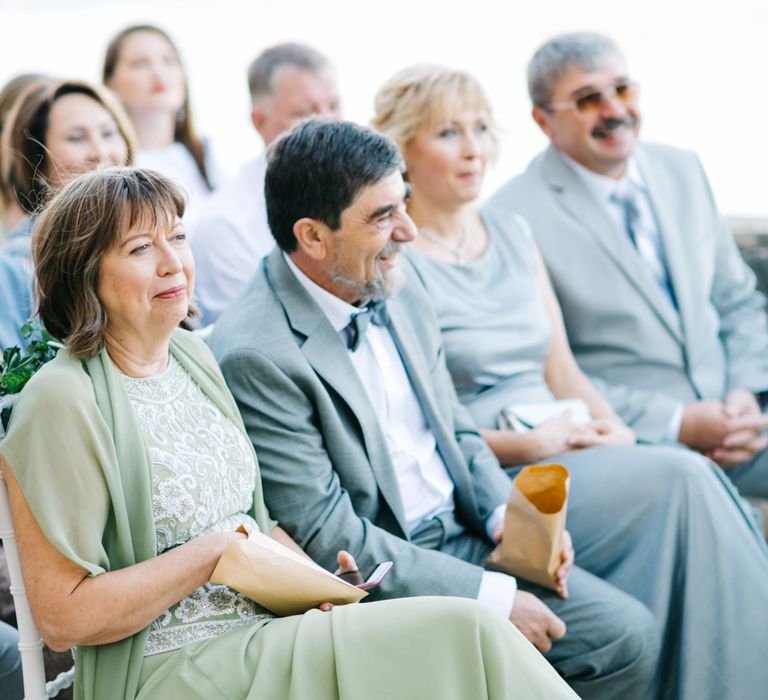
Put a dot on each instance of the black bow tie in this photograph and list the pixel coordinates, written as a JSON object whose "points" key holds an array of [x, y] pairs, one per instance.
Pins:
{"points": [[375, 312]]}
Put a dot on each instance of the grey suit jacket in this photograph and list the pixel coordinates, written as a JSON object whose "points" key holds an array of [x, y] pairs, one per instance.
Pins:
{"points": [[620, 325], [327, 473]]}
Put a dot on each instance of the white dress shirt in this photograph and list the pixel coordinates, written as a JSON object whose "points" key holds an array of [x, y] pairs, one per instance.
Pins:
{"points": [[230, 238], [426, 488], [647, 233]]}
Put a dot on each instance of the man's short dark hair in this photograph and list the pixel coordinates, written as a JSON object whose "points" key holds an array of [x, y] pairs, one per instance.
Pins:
{"points": [[318, 169]]}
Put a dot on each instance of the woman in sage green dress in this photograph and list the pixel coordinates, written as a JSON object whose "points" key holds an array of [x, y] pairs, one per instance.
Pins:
{"points": [[128, 471], [660, 523]]}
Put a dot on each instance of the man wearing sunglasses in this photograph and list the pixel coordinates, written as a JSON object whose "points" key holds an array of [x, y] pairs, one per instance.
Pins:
{"points": [[657, 302]]}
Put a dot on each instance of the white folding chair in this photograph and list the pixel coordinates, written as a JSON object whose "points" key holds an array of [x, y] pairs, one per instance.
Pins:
{"points": [[30, 642]]}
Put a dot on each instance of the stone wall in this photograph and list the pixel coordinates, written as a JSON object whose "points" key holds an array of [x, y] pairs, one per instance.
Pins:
{"points": [[752, 238]]}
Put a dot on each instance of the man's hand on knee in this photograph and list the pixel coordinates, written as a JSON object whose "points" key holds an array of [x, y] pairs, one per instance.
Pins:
{"points": [[746, 437], [728, 432], [738, 447], [704, 424], [536, 621]]}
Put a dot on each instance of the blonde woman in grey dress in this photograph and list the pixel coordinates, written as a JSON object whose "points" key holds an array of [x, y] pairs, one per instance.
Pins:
{"points": [[657, 522], [128, 471]]}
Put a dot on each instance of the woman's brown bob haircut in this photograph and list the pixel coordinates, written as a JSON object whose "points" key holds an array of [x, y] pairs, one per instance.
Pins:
{"points": [[25, 158], [80, 224]]}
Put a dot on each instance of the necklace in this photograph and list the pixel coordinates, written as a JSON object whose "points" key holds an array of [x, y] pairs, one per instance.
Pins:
{"points": [[457, 250]]}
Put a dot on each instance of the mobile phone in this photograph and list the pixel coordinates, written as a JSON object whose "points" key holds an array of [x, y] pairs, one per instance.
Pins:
{"points": [[369, 576]]}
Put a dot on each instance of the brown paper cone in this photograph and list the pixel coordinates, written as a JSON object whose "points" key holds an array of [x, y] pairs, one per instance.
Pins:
{"points": [[279, 579], [533, 525]]}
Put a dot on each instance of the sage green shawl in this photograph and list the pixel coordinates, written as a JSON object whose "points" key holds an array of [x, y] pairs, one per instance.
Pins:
{"points": [[75, 447]]}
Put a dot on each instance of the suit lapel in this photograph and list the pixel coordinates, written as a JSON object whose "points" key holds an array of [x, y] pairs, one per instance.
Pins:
{"points": [[674, 244], [328, 357], [590, 217], [412, 355]]}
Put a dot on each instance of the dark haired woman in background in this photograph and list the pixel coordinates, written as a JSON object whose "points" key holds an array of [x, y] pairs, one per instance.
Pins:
{"points": [[11, 213], [142, 65], [55, 132]]}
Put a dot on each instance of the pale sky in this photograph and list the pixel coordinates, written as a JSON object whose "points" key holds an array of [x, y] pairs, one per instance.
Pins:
{"points": [[701, 66]]}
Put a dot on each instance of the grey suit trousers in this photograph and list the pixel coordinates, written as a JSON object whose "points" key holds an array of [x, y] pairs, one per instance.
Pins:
{"points": [[611, 645], [751, 478], [665, 526]]}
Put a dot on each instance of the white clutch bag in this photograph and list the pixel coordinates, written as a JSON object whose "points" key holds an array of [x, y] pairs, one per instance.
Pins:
{"points": [[521, 417]]}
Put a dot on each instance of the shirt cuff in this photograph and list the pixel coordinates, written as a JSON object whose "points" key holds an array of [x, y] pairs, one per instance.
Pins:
{"points": [[675, 423], [495, 519], [497, 591]]}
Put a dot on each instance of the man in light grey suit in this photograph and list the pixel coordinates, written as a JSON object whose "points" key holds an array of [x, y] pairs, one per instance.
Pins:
{"points": [[657, 302], [361, 440]]}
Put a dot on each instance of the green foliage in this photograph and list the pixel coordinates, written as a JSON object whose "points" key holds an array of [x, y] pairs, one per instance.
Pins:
{"points": [[17, 366]]}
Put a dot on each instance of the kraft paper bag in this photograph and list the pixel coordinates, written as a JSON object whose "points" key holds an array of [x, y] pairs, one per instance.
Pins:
{"points": [[278, 578], [534, 525]]}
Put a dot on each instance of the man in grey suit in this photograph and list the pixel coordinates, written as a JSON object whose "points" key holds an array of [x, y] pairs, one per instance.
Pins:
{"points": [[657, 302], [361, 440]]}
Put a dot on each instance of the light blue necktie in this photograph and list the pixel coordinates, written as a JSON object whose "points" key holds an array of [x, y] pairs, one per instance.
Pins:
{"points": [[632, 226], [628, 203]]}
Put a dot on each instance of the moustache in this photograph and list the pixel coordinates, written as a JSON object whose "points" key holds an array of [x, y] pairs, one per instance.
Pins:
{"points": [[608, 125], [392, 248]]}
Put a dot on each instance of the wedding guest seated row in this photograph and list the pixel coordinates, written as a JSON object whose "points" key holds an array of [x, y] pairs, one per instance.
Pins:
{"points": [[384, 293], [506, 347], [56, 131], [391, 460], [129, 470]]}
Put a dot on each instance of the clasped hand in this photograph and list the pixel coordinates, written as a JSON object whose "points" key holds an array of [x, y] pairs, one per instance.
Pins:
{"points": [[563, 434], [729, 432]]}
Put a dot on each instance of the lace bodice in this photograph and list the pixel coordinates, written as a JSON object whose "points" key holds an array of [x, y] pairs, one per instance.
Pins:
{"points": [[203, 476]]}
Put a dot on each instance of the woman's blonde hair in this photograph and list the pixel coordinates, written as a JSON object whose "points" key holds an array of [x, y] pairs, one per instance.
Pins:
{"points": [[80, 224], [423, 96]]}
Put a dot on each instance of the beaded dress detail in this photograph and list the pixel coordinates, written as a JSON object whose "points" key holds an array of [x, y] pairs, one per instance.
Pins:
{"points": [[203, 476]]}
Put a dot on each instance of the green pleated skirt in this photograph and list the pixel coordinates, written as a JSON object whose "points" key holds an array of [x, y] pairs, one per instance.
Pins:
{"points": [[415, 648]]}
